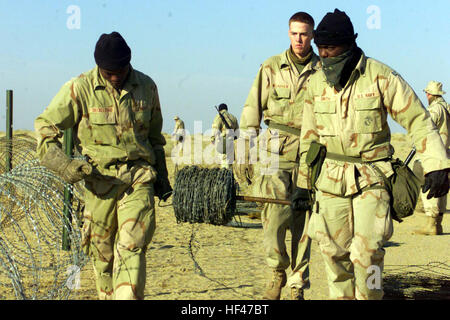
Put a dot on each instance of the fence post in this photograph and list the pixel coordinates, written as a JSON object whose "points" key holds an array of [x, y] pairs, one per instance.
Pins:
{"points": [[67, 214], [9, 128]]}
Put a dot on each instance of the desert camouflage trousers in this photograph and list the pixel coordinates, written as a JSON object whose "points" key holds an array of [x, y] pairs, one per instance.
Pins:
{"points": [[117, 228], [277, 181], [225, 151], [351, 233], [433, 206]]}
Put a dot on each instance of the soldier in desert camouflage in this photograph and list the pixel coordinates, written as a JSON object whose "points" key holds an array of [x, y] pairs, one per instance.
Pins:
{"points": [[346, 108], [178, 131], [179, 135], [223, 137], [277, 95], [440, 114], [116, 116]]}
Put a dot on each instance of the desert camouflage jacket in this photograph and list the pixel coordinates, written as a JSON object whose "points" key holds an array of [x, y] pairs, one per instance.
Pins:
{"points": [[219, 127], [353, 122], [441, 117], [277, 95], [179, 125], [109, 127]]}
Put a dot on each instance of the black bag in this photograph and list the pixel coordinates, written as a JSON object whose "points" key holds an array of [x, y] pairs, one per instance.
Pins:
{"points": [[404, 189]]}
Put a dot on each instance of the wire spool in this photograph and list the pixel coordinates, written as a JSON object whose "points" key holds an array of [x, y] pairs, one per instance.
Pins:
{"points": [[203, 195]]}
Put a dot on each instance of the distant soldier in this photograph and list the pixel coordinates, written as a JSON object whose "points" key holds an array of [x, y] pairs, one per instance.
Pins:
{"points": [[224, 129], [179, 131], [440, 114], [346, 109], [277, 98]]}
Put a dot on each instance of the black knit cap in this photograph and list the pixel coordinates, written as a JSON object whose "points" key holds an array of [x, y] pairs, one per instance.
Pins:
{"points": [[223, 106], [112, 52], [335, 29]]}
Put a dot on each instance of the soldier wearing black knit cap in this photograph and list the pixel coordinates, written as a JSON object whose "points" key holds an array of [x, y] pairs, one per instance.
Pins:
{"points": [[117, 120], [335, 40], [113, 56], [345, 112]]}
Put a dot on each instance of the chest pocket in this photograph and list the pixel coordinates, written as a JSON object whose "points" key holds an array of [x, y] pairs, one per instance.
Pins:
{"points": [[141, 118], [103, 125], [278, 101], [368, 115], [325, 114]]}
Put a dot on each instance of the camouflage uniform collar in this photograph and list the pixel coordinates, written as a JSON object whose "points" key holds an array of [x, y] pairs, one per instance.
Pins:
{"points": [[440, 100], [361, 65], [101, 83], [359, 70]]}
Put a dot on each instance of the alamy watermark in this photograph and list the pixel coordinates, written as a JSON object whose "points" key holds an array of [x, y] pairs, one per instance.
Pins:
{"points": [[231, 147], [73, 21], [373, 282], [73, 280], [374, 20]]}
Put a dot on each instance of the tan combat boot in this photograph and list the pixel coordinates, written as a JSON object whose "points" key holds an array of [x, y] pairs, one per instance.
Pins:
{"points": [[273, 291], [297, 293], [432, 226]]}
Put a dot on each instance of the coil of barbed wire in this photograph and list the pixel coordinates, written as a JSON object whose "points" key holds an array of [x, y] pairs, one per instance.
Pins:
{"points": [[33, 264], [203, 195]]}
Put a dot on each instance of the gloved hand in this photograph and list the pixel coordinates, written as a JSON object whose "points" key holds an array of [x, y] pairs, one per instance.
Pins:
{"points": [[300, 200], [437, 182], [163, 189], [71, 170], [243, 169]]}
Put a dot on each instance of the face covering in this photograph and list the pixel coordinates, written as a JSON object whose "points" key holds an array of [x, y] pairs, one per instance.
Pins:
{"points": [[332, 67]]}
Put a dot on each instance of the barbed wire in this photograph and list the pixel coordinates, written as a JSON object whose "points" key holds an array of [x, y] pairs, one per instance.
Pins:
{"points": [[414, 281], [33, 264], [204, 195]]}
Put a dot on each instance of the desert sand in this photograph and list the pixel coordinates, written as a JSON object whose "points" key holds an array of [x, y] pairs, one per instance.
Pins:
{"points": [[207, 262]]}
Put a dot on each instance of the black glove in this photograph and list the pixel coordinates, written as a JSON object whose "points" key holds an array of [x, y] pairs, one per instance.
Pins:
{"points": [[163, 189], [301, 200], [437, 182]]}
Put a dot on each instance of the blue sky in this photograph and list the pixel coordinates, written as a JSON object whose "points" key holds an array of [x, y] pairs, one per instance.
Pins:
{"points": [[201, 52]]}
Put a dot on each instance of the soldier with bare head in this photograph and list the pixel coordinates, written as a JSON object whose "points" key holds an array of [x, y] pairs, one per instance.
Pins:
{"points": [[276, 97], [346, 108]]}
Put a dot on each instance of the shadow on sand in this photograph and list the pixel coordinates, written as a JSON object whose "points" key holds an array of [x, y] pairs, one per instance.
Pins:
{"points": [[418, 282]]}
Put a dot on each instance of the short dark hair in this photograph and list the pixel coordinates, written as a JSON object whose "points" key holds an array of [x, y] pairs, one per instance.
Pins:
{"points": [[302, 17]]}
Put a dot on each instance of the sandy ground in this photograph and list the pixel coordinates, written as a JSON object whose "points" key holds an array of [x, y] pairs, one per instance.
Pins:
{"points": [[227, 263], [206, 262]]}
